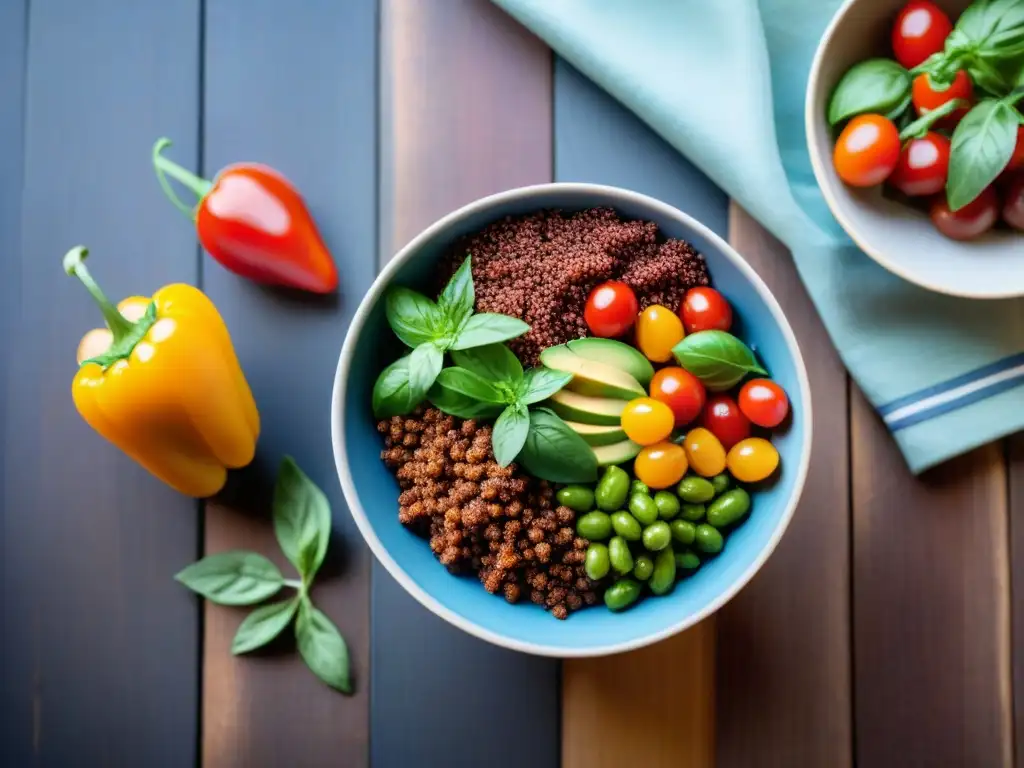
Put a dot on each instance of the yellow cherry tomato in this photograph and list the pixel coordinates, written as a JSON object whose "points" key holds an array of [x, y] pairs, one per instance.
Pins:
{"points": [[647, 421], [704, 451], [660, 465], [658, 329], [752, 460]]}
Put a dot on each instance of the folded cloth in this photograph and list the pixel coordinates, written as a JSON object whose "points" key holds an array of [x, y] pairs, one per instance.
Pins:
{"points": [[723, 82]]}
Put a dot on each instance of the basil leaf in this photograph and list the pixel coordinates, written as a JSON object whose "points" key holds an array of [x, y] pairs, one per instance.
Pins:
{"points": [[488, 328], [322, 647], [302, 519], [874, 85], [233, 578], [468, 383], [460, 405], [991, 28], [458, 297], [981, 148], [263, 625], [717, 358], [509, 433], [413, 317], [393, 394], [541, 383], [425, 363], [554, 452], [494, 362]]}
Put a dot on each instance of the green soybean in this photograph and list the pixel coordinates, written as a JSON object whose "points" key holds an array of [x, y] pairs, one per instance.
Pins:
{"points": [[657, 536], [643, 568], [683, 531], [667, 504], [612, 489], [721, 483], [598, 562], [687, 561], [622, 594], [695, 490], [576, 497], [638, 487], [664, 575], [692, 512], [619, 556], [596, 526], [643, 508], [728, 508], [626, 526], [708, 539]]}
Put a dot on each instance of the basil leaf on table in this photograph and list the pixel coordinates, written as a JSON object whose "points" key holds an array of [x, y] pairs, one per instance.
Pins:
{"points": [[458, 297], [413, 317], [425, 363], [263, 625], [233, 578], [460, 405], [494, 362], [509, 433], [488, 328], [302, 519], [322, 647], [554, 452], [981, 148], [717, 358], [874, 85], [540, 383], [468, 383], [393, 394]]}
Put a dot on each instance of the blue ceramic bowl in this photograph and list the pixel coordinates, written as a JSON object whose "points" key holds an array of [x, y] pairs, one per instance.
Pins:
{"points": [[372, 492]]}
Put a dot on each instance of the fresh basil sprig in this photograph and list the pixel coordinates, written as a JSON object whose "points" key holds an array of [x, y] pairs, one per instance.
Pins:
{"points": [[302, 524], [874, 85], [554, 452], [980, 149], [717, 358]]}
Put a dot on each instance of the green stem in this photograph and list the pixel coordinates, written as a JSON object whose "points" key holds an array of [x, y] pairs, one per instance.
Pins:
{"points": [[74, 265], [164, 168], [923, 124], [294, 584]]}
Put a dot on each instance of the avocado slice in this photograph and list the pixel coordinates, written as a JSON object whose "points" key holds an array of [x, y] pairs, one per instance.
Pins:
{"points": [[616, 354], [596, 434], [616, 453], [572, 406], [590, 377]]}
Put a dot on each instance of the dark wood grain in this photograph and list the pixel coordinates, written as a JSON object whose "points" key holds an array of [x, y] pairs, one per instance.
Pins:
{"points": [[1015, 470], [466, 111], [101, 645], [292, 85], [783, 649]]}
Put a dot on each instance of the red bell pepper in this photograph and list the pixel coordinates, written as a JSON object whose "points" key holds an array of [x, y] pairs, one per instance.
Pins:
{"points": [[253, 221]]}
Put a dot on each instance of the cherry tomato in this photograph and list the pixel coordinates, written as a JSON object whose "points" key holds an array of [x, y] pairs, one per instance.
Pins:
{"points": [[923, 166], [764, 402], [704, 452], [660, 465], [647, 421], [1017, 158], [927, 95], [681, 391], [1013, 207], [658, 329], [725, 420], [974, 219], [920, 30], [752, 460], [705, 309], [611, 309], [867, 150]]}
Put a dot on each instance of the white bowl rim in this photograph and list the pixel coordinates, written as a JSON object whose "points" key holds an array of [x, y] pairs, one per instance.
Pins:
{"points": [[338, 417]]}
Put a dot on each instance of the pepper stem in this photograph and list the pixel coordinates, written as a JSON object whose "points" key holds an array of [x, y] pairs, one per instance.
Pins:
{"points": [[164, 168], [74, 265]]}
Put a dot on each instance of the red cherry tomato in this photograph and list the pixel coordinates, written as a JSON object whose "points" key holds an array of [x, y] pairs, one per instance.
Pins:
{"points": [[974, 219], [927, 95], [724, 419], [920, 30], [611, 309], [764, 402], [923, 166], [705, 309], [867, 151], [681, 391], [1017, 158], [1013, 205]]}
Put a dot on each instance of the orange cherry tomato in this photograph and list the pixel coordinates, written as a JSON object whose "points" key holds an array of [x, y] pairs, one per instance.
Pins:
{"points": [[681, 391], [660, 465], [704, 452], [647, 421], [611, 309], [764, 402], [705, 309], [658, 329], [867, 151], [927, 95], [752, 460], [722, 415]]}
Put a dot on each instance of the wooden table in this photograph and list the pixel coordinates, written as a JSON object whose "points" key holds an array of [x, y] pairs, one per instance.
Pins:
{"points": [[879, 633]]}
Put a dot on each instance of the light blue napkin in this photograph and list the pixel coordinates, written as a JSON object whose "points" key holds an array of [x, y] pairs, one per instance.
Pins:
{"points": [[723, 82]]}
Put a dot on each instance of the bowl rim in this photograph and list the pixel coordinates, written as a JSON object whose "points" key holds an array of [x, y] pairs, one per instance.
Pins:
{"points": [[339, 393]]}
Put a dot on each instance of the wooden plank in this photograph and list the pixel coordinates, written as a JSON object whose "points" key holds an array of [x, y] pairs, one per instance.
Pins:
{"points": [[597, 140], [292, 85], [101, 644], [931, 605], [466, 106], [1015, 470], [784, 641]]}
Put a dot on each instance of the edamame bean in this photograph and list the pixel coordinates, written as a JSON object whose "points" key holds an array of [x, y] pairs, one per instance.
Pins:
{"points": [[611, 491], [619, 556], [667, 504], [626, 526], [597, 563], [683, 531], [728, 508], [643, 508], [664, 575], [622, 594], [657, 536], [692, 512], [721, 483], [643, 568], [576, 497], [596, 526], [638, 487], [695, 490], [687, 561], [708, 539]]}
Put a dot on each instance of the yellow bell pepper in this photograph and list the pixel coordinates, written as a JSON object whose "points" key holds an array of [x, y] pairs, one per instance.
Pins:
{"points": [[162, 383]]}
